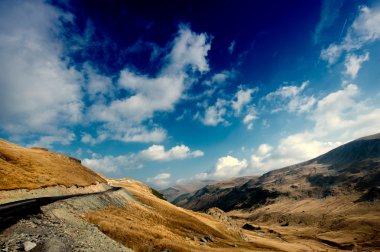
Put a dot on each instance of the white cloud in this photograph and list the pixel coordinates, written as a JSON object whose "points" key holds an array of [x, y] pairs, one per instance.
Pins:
{"points": [[250, 117], [290, 150], [353, 64], [112, 164], [158, 153], [161, 180], [231, 47], [220, 77], [47, 141], [290, 98], [365, 29], [99, 87], [89, 139], [124, 118], [229, 166], [338, 118], [264, 149], [242, 98], [225, 167], [215, 114], [40, 94], [189, 50]]}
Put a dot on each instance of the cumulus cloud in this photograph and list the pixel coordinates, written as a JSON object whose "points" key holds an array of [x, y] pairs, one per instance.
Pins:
{"points": [[40, 94], [365, 29], [222, 109], [43, 96], [158, 153], [290, 98], [112, 164], [215, 113], [250, 117], [124, 117], [225, 167], [229, 166], [242, 98], [161, 180], [338, 118], [353, 64]]}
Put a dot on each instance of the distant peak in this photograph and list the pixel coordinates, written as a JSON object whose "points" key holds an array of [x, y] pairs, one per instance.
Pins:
{"points": [[371, 137]]}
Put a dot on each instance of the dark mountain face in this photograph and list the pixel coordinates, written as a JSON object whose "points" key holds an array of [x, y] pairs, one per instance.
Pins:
{"points": [[352, 152], [352, 167]]}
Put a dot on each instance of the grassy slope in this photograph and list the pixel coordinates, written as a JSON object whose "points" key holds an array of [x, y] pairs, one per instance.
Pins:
{"points": [[334, 219], [31, 168], [152, 224]]}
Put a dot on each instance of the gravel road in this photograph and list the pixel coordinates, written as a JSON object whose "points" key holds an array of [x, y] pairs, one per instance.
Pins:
{"points": [[60, 227]]}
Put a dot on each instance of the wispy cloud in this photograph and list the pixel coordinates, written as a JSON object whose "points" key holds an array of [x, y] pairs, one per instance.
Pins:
{"points": [[231, 48], [124, 117], [338, 117], [329, 13], [365, 29], [289, 98], [353, 64]]}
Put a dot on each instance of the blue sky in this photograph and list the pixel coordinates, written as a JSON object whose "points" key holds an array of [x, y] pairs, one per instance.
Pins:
{"points": [[170, 93]]}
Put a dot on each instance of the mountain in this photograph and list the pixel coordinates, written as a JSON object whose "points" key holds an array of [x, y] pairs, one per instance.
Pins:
{"points": [[179, 189], [337, 194], [123, 214], [32, 172]]}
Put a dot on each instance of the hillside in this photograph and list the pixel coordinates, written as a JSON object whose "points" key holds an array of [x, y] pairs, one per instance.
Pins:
{"points": [[179, 189], [128, 218], [32, 168], [333, 198]]}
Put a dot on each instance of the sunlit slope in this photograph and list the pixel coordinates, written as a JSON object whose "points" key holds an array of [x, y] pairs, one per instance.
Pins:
{"points": [[152, 224], [31, 168]]}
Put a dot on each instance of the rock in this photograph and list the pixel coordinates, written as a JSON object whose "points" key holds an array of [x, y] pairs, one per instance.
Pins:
{"points": [[248, 226], [209, 238], [54, 245], [28, 245]]}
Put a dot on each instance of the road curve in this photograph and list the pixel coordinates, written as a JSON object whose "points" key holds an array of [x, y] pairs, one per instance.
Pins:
{"points": [[11, 212]]}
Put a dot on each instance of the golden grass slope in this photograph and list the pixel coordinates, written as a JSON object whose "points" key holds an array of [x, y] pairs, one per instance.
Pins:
{"points": [[151, 224], [31, 168], [336, 221]]}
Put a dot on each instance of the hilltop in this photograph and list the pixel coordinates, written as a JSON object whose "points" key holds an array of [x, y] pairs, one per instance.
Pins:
{"points": [[32, 168]]}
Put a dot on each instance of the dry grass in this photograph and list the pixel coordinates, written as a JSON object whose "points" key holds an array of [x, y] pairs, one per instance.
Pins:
{"points": [[152, 224], [335, 219], [24, 168]]}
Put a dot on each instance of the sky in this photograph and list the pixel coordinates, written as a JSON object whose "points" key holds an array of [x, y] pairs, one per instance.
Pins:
{"points": [[170, 92]]}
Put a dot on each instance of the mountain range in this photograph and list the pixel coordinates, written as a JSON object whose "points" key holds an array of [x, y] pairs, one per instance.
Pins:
{"points": [[336, 194], [330, 203]]}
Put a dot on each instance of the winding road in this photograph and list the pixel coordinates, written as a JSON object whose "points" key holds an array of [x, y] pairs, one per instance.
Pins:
{"points": [[12, 212]]}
